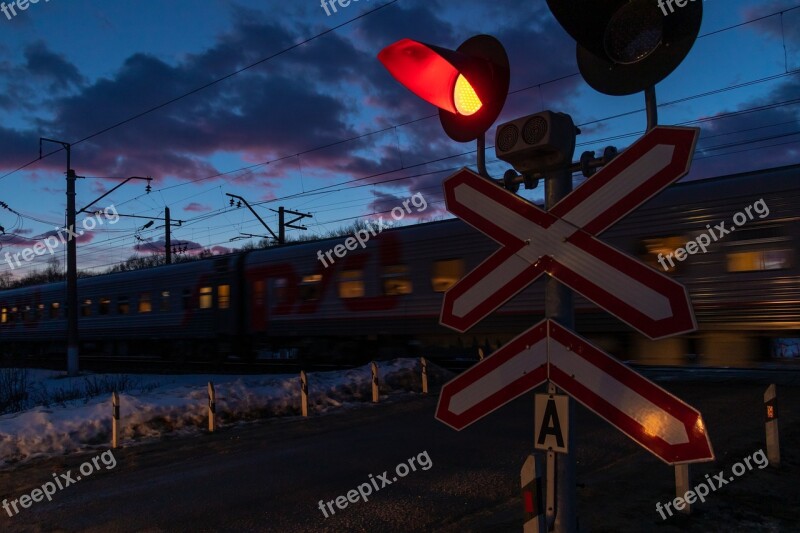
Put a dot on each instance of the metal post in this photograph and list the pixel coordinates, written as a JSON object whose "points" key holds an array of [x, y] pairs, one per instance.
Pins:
{"points": [[482, 156], [168, 236], [559, 307], [652, 107], [682, 486]]}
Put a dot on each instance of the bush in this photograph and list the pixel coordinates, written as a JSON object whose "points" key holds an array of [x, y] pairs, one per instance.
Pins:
{"points": [[13, 389]]}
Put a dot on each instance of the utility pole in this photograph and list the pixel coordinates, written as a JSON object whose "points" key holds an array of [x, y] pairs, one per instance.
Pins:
{"points": [[168, 236], [282, 224], [72, 263]]}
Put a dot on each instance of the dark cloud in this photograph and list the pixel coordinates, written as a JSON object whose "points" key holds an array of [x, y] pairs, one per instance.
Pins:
{"points": [[47, 65]]}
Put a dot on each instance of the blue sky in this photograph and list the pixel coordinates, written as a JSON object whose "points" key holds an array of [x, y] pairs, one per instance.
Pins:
{"points": [[71, 69]]}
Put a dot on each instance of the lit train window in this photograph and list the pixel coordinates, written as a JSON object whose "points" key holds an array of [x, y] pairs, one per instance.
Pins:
{"points": [[145, 305], [224, 296], [351, 284], [3, 316], [86, 308], [446, 274], [311, 287], [123, 306], [396, 280], [164, 301], [206, 298], [54, 309], [104, 308], [755, 260], [663, 247]]}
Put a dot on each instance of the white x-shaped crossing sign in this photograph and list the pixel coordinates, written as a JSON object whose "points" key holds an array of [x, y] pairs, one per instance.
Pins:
{"points": [[563, 243]]}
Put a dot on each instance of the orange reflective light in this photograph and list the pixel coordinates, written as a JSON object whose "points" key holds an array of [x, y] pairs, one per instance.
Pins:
{"points": [[466, 100]]}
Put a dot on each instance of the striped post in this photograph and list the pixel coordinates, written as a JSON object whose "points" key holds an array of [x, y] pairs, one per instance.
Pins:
{"points": [[212, 407], [304, 393], [114, 420], [375, 391], [532, 495], [424, 364], [771, 424]]}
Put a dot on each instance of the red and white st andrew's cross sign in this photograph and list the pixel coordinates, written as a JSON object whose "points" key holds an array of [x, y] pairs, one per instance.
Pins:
{"points": [[562, 242]]}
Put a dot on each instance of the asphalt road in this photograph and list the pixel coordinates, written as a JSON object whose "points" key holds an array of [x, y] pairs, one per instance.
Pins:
{"points": [[271, 475]]}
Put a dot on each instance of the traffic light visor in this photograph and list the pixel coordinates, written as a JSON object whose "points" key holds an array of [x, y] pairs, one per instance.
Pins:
{"points": [[425, 72]]}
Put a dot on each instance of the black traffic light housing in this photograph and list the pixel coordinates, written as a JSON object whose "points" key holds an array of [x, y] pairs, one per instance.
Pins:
{"points": [[437, 74], [626, 46]]}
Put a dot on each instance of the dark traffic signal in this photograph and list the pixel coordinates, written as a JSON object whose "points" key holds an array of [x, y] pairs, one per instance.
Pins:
{"points": [[626, 46], [468, 85]]}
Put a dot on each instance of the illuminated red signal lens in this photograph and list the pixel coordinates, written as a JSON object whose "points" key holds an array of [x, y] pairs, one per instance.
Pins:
{"points": [[422, 71]]}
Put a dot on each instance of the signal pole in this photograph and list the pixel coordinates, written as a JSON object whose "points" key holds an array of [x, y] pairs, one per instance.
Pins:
{"points": [[559, 307], [167, 236]]}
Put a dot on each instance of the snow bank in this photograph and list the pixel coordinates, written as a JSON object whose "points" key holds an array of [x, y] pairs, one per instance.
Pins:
{"points": [[178, 404]]}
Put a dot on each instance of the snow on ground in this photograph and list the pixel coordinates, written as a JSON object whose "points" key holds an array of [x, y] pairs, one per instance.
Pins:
{"points": [[157, 405]]}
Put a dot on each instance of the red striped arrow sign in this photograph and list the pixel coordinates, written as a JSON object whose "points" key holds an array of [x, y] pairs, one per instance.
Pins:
{"points": [[669, 428], [562, 242]]}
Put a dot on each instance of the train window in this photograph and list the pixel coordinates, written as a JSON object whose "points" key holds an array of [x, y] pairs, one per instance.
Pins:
{"points": [[206, 298], [755, 260], [145, 305], [224, 296], [104, 307], [123, 305], [258, 290], [3, 316], [396, 280], [351, 284], [54, 309], [164, 301], [86, 308], [662, 247], [28, 313], [280, 287], [311, 287], [12, 316], [187, 299], [39, 311], [446, 273]]}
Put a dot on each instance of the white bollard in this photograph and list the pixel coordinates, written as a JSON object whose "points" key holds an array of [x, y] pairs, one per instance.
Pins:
{"points": [[375, 391], [304, 392], [682, 487], [114, 420], [212, 407], [771, 424], [533, 495], [424, 364]]}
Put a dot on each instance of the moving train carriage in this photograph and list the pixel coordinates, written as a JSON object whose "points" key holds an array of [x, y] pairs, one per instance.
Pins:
{"points": [[384, 299], [174, 310]]}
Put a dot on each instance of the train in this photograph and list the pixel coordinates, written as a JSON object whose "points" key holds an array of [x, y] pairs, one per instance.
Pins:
{"points": [[384, 300]]}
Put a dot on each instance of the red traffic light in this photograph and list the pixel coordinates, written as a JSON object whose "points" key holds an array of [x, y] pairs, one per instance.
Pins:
{"points": [[469, 85]]}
